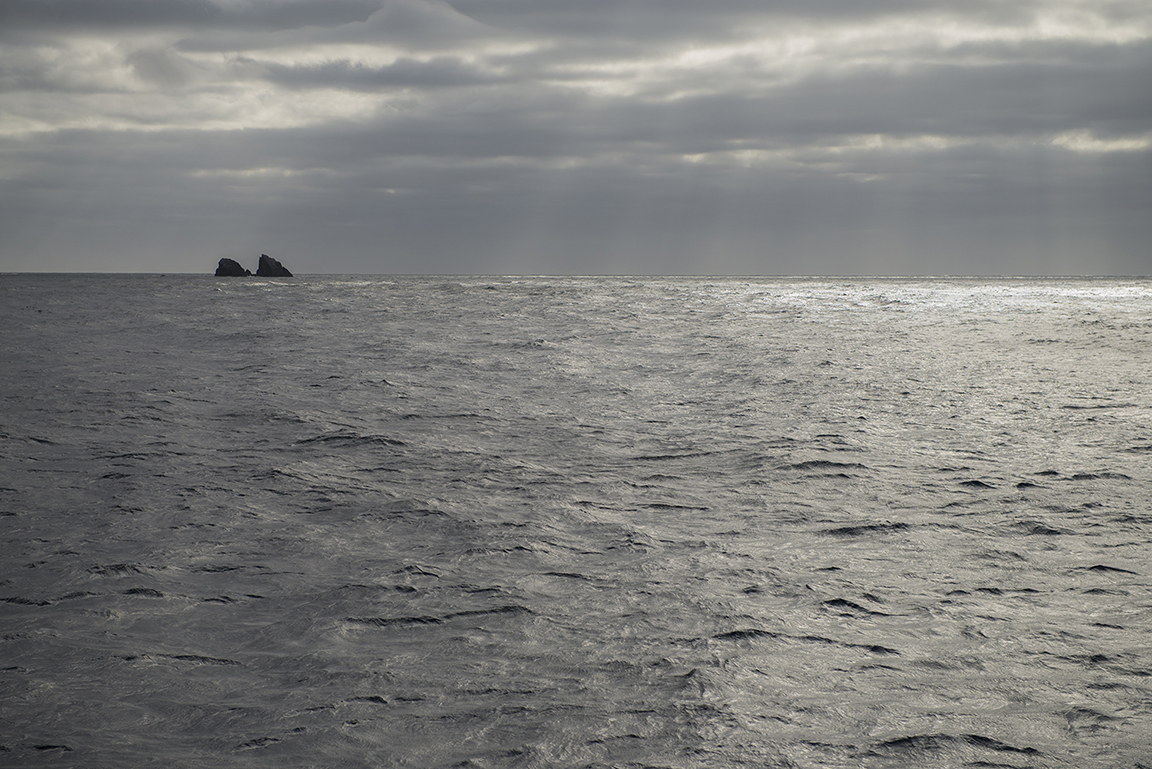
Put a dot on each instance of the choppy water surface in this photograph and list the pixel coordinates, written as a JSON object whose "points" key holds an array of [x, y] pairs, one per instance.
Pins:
{"points": [[561, 522]]}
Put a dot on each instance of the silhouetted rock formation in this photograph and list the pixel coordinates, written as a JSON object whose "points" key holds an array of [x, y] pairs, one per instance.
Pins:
{"points": [[230, 268], [271, 268], [268, 268]]}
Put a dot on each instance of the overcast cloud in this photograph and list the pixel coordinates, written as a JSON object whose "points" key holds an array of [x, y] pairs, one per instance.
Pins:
{"points": [[541, 136]]}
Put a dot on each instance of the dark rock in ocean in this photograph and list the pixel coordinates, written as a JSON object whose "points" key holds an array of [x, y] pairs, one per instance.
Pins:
{"points": [[271, 268], [230, 268]]}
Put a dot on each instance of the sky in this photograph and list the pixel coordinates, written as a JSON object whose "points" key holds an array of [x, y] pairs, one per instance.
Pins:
{"points": [[645, 137]]}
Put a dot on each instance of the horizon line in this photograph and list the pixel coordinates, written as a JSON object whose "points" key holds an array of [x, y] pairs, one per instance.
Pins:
{"points": [[793, 276]]}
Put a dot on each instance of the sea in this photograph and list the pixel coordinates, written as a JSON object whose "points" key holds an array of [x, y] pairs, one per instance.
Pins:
{"points": [[645, 523]]}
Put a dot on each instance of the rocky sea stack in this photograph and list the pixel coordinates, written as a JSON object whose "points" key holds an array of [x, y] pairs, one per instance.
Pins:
{"points": [[230, 268], [268, 268], [271, 268]]}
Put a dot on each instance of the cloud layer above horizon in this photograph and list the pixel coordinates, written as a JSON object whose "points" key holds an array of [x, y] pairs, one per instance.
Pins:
{"points": [[539, 136]]}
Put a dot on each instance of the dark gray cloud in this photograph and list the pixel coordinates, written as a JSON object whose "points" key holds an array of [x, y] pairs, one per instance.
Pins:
{"points": [[409, 24], [56, 15], [17, 15], [660, 19], [515, 136]]}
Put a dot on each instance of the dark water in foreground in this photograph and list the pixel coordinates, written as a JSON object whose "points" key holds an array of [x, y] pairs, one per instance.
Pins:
{"points": [[563, 522]]}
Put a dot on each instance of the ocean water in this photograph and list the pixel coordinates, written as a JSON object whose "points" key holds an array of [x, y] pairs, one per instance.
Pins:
{"points": [[575, 522]]}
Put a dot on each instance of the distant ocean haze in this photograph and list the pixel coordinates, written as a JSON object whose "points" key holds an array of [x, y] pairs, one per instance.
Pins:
{"points": [[575, 522]]}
